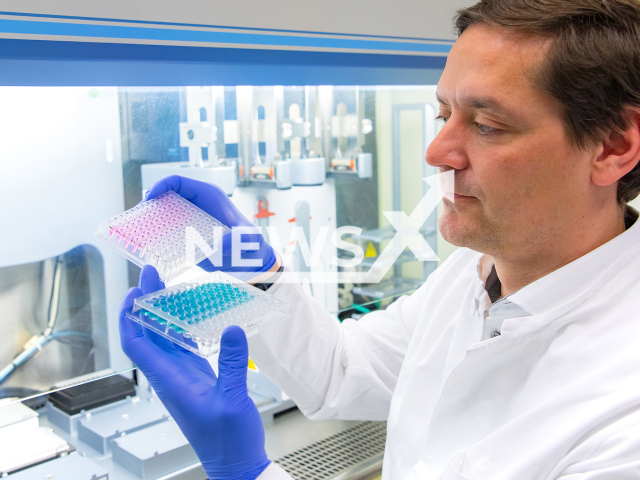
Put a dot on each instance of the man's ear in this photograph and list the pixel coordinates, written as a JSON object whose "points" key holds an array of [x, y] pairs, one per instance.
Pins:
{"points": [[620, 152]]}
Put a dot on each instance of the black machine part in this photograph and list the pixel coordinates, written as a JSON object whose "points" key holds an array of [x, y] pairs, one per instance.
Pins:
{"points": [[93, 394]]}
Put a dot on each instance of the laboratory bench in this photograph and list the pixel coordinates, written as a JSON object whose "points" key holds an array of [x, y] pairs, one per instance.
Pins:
{"points": [[135, 438]]}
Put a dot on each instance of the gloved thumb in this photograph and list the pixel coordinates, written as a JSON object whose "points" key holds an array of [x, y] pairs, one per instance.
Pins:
{"points": [[149, 280], [233, 361]]}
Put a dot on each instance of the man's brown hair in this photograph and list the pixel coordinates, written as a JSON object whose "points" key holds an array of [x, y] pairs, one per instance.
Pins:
{"points": [[592, 66]]}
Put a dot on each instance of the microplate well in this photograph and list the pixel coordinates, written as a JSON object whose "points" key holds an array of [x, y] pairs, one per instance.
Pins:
{"points": [[194, 314], [155, 233]]}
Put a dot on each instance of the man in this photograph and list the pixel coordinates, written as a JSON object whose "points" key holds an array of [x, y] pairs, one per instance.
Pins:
{"points": [[518, 359]]}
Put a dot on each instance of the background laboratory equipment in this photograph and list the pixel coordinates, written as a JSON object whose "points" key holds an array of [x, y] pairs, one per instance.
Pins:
{"points": [[311, 117], [295, 127], [298, 161]]}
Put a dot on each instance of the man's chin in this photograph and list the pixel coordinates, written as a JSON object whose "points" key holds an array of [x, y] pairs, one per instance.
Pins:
{"points": [[455, 231]]}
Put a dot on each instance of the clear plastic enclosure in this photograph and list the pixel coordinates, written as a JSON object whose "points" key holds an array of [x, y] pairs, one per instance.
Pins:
{"points": [[155, 233], [194, 314], [305, 163]]}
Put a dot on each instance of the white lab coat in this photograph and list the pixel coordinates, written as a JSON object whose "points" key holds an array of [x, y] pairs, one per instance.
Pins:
{"points": [[555, 396]]}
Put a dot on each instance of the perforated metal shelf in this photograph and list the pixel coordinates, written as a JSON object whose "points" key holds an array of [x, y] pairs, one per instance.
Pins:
{"points": [[354, 453]]}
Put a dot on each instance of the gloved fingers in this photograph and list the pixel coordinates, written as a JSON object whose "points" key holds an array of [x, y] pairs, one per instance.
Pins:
{"points": [[210, 198], [149, 281], [197, 362], [162, 342], [132, 334], [247, 245], [176, 366], [207, 266], [129, 329], [177, 352], [168, 367], [192, 190], [247, 273], [233, 361], [143, 346], [247, 234], [256, 256], [163, 186]]}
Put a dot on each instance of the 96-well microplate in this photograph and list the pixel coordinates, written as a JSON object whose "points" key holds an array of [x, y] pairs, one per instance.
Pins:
{"points": [[195, 313], [155, 233]]}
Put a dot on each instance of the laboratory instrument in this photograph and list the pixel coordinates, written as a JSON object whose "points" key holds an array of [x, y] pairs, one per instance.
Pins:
{"points": [[23, 441], [133, 438], [97, 142], [322, 197], [75, 464], [90, 395]]}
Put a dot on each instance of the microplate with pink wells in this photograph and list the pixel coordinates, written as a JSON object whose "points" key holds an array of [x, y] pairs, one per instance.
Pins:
{"points": [[155, 233]]}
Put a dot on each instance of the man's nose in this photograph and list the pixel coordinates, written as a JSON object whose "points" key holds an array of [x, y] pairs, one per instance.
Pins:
{"points": [[447, 150]]}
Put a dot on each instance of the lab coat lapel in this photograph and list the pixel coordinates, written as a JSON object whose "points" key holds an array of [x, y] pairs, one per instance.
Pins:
{"points": [[422, 376], [478, 396]]}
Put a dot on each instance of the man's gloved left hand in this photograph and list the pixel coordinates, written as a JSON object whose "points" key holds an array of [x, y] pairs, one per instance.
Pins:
{"points": [[243, 264], [215, 413]]}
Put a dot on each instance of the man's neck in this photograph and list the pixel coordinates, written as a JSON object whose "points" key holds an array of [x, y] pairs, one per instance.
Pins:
{"points": [[521, 270]]}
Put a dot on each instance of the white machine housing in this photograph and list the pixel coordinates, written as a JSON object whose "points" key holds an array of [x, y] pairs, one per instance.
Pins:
{"points": [[308, 171]]}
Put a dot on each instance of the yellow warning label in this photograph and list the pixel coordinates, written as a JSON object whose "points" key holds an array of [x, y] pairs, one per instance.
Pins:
{"points": [[252, 365], [371, 251]]}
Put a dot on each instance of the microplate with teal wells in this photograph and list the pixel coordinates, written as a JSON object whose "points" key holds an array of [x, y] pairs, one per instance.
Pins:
{"points": [[195, 313], [155, 233]]}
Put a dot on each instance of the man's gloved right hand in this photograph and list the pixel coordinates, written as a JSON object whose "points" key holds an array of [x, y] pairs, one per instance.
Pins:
{"points": [[215, 413], [215, 202]]}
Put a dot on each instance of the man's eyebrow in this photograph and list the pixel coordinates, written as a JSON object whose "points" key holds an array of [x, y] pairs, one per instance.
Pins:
{"points": [[484, 103], [440, 100]]}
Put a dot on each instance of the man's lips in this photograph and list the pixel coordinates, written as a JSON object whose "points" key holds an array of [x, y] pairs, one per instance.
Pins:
{"points": [[456, 196]]}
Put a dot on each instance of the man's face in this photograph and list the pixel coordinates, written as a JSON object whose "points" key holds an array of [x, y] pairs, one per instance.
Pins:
{"points": [[516, 173]]}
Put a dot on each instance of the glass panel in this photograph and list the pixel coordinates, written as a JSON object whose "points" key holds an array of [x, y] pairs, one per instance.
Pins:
{"points": [[292, 158], [302, 162]]}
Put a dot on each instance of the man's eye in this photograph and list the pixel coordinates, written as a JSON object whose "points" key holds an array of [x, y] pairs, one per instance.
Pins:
{"points": [[484, 129], [443, 118]]}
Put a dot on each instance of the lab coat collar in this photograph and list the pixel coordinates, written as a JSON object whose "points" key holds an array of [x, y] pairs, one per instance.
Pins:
{"points": [[558, 288], [560, 285]]}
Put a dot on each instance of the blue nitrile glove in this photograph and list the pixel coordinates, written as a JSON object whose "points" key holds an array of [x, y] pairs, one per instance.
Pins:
{"points": [[213, 200], [215, 414]]}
